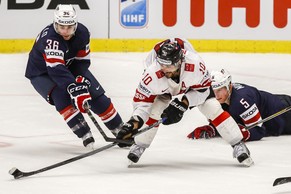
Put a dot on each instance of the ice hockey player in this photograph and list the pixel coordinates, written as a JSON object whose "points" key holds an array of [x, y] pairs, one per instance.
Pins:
{"points": [[247, 105], [57, 68], [177, 71]]}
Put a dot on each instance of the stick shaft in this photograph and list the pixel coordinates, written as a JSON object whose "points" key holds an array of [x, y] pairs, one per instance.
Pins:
{"points": [[269, 117], [26, 174]]}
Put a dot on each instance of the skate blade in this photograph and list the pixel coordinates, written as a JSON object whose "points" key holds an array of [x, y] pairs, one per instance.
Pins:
{"points": [[90, 146], [130, 164], [248, 162]]}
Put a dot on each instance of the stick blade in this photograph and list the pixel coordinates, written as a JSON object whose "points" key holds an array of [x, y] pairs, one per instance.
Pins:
{"points": [[16, 173], [282, 180]]}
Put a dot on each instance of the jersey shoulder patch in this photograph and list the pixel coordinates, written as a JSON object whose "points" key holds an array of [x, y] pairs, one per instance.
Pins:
{"points": [[189, 67], [160, 74]]}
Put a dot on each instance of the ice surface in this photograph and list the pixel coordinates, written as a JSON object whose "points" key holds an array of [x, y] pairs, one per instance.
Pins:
{"points": [[33, 135]]}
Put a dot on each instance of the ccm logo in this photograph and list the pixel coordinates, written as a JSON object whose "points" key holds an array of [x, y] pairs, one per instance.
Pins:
{"points": [[78, 88]]}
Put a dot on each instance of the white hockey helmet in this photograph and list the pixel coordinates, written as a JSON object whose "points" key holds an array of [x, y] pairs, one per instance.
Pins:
{"points": [[220, 79], [65, 15]]}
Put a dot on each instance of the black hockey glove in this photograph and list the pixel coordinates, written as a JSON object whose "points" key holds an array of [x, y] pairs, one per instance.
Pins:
{"points": [[128, 129], [126, 132], [174, 112]]}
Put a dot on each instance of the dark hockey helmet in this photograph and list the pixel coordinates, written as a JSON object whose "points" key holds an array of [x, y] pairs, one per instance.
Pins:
{"points": [[170, 54]]}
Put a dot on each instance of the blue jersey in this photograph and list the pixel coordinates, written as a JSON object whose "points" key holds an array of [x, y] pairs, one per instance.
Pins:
{"points": [[60, 59], [249, 105]]}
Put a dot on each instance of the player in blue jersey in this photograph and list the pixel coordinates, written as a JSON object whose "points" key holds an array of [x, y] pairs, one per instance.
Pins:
{"points": [[247, 105], [58, 70]]}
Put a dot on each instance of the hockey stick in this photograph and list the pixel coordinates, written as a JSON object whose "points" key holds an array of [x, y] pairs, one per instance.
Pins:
{"points": [[129, 142], [281, 180], [149, 127], [106, 138], [269, 117], [17, 174]]}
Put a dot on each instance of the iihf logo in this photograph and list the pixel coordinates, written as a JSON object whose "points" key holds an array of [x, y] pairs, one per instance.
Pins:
{"points": [[133, 13]]}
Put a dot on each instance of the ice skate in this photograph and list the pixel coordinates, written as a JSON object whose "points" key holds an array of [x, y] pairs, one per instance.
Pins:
{"points": [[88, 140], [242, 154], [116, 130], [135, 153]]}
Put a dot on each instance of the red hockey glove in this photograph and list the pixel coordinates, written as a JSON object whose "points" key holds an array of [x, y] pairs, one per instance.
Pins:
{"points": [[79, 94], [246, 134], [206, 131]]}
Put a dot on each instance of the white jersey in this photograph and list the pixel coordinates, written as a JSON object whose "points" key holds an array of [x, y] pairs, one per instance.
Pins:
{"points": [[194, 83]]}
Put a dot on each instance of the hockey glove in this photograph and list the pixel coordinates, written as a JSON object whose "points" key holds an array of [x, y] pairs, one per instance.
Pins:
{"points": [[206, 131], [126, 132], [128, 129], [79, 94], [246, 134], [174, 112]]}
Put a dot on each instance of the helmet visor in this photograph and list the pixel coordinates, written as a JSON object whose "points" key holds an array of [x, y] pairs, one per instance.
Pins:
{"points": [[165, 62]]}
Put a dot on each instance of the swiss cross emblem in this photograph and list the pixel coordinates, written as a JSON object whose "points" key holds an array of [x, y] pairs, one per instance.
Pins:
{"points": [[160, 74], [189, 67]]}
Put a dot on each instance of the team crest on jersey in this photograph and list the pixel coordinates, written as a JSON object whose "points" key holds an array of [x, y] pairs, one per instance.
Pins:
{"points": [[189, 67]]}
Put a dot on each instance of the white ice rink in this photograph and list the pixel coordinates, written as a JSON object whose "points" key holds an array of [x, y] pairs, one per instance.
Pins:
{"points": [[33, 135]]}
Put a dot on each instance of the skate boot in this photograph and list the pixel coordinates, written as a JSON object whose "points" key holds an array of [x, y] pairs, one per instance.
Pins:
{"points": [[88, 140], [242, 154], [135, 153], [116, 130]]}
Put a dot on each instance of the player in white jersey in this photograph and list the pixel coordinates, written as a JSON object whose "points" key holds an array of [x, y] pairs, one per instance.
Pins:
{"points": [[178, 71]]}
